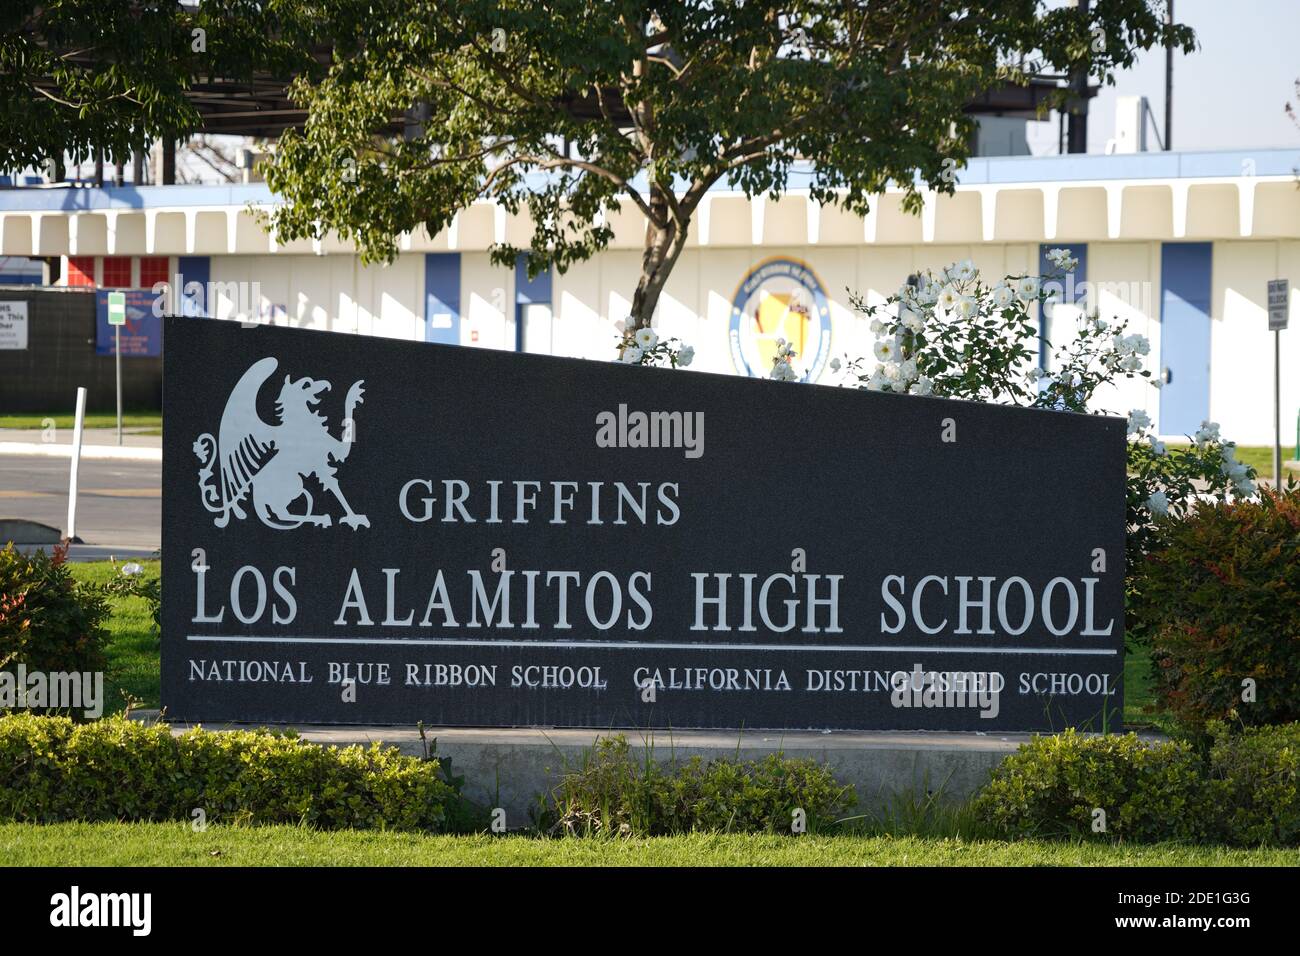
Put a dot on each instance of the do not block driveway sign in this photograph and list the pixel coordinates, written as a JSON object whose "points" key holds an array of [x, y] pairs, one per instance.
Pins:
{"points": [[361, 530]]}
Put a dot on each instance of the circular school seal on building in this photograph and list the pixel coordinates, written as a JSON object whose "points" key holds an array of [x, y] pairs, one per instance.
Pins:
{"points": [[780, 299]]}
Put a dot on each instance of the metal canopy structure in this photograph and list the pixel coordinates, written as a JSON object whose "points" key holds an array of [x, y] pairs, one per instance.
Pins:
{"points": [[262, 108]]}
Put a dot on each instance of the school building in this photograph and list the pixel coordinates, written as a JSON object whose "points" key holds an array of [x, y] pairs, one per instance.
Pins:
{"points": [[1180, 244]]}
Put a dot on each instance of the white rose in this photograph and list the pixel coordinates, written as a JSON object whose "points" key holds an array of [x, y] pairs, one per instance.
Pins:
{"points": [[967, 307], [913, 322], [1158, 503], [1027, 288], [885, 350], [646, 338], [962, 271], [907, 370], [876, 326], [132, 569], [1208, 432], [686, 355], [922, 386], [948, 298], [631, 355], [1138, 421], [1062, 259], [1003, 295]]}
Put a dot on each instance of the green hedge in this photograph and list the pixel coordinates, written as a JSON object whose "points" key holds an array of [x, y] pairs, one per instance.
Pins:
{"points": [[1052, 786], [616, 793], [1219, 599], [1244, 791], [1254, 786], [53, 770]]}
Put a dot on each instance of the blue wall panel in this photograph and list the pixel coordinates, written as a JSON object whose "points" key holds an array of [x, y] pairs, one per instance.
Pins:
{"points": [[1185, 336], [194, 269]]}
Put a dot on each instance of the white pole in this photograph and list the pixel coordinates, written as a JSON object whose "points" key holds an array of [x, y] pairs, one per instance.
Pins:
{"points": [[117, 352], [76, 461], [1277, 408]]}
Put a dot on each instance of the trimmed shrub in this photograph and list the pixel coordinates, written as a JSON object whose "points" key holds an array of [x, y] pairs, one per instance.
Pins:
{"points": [[1052, 786], [1253, 781], [48, 621], [53, 770], [1220, 596], [613, 793]]}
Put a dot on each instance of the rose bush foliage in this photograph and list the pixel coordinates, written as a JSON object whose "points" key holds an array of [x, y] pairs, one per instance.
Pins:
{"points": [[954, 335]]}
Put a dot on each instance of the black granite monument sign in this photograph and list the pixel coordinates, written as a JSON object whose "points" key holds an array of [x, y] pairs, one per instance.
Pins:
{"points": [[361, 530]]}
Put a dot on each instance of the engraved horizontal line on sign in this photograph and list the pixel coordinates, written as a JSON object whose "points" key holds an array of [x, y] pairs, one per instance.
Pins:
{"points": [[648, 646]]}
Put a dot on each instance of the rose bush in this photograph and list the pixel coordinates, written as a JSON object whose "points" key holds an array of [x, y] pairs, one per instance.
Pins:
{"points": [[644, 347], [953, 335]]}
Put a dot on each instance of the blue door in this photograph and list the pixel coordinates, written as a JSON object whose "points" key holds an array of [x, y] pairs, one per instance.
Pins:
{"points": [[442, 297], [1184, 336], [534, 328]]}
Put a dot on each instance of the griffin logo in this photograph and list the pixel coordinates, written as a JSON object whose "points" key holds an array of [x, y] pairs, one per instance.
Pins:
{"points": [[273, 460]]}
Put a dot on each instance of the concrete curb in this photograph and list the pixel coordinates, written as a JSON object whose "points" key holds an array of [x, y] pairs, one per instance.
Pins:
{"points": [[511, 768], [52, 450]]}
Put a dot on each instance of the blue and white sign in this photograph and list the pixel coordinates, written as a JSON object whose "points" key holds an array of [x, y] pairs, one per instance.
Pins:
{"points": [[142, 331], [780, 299]]}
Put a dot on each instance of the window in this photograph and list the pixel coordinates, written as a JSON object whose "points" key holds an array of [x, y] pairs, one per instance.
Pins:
{"points": [[153, 269], [81, 272], [117, 272]]}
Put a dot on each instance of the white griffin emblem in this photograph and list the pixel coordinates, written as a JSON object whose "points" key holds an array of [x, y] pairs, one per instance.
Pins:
{"points": [[273, 460]]}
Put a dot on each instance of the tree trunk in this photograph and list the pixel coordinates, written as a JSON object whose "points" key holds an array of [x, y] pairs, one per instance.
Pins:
{"points": [[663, 245]]}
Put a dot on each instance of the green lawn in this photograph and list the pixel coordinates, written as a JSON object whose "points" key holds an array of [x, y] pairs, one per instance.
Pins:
{"points": [[1138, 694], [133, 647], [1259, 457], [131, 419], [176, 844]]}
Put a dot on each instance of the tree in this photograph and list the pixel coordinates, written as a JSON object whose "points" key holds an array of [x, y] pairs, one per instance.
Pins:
{"points": [[568, 106], [92, 77]]}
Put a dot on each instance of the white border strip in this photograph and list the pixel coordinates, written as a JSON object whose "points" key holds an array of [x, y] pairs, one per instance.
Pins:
{"points": [[648, 646]]}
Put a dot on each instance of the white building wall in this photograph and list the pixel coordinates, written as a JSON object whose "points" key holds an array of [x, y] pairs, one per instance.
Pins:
{"points": [[338, 293], [487, 297], [329, 293], [1125, 280], [1241, 369]]}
